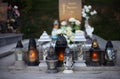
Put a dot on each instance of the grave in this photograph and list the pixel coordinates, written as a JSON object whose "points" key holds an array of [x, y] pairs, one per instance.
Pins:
{"points": [[68, 9], [73, 9]]}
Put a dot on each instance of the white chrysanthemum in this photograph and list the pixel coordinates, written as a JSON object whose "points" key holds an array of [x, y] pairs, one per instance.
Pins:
{"points": [[68, 33], [84, 15], [63, 23], [95, 12], [87, 10], [92, 13], [72, 38], [63, 28], [59, 31], [89, 6], [85, 7], [72, 20], [68, 29], [77, 22]]}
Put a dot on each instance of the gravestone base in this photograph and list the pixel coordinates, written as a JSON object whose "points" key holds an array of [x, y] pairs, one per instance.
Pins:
{"points": [[32, 68], [52, 71], [94, 64], [43, 65], [110, 63], [68, 71], [60, 68], [78, 64]]}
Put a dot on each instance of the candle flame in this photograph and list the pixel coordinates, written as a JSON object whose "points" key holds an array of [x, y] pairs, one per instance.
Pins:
{"points": [[61, 56], [32, 55], [95, 56]]}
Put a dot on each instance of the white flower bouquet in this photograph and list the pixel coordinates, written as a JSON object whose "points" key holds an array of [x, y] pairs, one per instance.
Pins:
{"points": [[68, 29], [88, 12]]}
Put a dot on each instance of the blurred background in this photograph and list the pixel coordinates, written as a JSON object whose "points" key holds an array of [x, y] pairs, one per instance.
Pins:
{"points": [[39, 15]]}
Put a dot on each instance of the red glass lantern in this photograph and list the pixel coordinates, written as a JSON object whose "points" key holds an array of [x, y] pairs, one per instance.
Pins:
{"points": [[32, 55], [60, 46], [95, 56], [61, 56]]}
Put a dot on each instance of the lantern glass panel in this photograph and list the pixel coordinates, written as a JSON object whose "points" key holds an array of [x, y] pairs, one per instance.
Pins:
{"points": [[95, 56], [110, 53], [61, 56]]}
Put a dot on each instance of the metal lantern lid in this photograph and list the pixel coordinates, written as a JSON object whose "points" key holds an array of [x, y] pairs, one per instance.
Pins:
{"points": [[79, 36], [19, 44], [110, 51], [109, 44], [61, 41], [32, 43], [44, 37], [95, 44]]}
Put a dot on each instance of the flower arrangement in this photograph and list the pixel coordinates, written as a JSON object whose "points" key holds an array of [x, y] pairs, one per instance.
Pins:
{"points": [[68, 28], [88, 12]]}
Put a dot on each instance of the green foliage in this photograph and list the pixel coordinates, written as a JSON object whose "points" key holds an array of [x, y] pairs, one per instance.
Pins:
{"points": [[24, 5], [27, 5], [39, 18]]}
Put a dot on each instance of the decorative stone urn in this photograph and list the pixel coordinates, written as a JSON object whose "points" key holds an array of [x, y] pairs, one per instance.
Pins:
{"points": [[51, 61]]}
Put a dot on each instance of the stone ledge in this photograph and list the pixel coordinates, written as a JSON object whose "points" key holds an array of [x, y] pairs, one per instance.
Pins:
{"points": [[6, 54], [114, 68], [9, 38], [37, 68], [29, 68]]}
